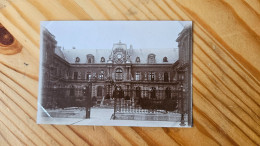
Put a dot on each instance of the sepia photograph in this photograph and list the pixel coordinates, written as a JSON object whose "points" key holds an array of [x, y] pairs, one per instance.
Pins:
{"points": [[116, 73]]}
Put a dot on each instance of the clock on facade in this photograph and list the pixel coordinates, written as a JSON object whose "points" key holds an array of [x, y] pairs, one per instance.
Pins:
{"points": [[119, 56]]}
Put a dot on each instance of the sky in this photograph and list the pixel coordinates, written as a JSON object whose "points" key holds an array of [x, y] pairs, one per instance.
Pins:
{"points": [[103, 34]]}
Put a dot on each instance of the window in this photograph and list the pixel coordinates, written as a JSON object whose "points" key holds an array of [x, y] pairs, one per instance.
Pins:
{"points": [[102, 59], [166, 77], [101, 77], [88, 76], [72, 91], [90, 58], [138, 92], [168, 93], [165, 59], [77, 92], [151, 76], [67, 73], [119, 74], [153, 92], [137, 60], [86, 91], [151, 58], [54, 71], [99, 91], [77, 60], [138, 76], [75, 75]]}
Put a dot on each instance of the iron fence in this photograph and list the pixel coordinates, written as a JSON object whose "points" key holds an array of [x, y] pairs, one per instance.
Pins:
{"points": [[139, 101], [147, 101]]}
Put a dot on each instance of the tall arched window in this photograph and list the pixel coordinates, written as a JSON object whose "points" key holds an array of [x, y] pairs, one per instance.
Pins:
{"points": [[166, 77], [151, 59], [101, 75], [99, 91], [137, 76], [168, 93], [119, 74], [151, 76], [75, 75]]}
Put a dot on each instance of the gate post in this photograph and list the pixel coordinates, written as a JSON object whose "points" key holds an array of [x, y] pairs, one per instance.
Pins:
{"points": [[115, 101], [88, 102]]}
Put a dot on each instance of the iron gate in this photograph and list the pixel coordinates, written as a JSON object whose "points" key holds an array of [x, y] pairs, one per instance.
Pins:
{"points": [[146, 101]]}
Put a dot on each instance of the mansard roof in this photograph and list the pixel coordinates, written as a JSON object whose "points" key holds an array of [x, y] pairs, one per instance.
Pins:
{"points": [[70, 55], [170, 53]]}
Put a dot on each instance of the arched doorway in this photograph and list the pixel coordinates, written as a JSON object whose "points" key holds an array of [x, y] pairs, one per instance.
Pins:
{"points": [[99, 91]]}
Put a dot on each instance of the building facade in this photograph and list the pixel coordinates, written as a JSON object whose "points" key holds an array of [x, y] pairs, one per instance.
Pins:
{"points": [[184, 69], [142, 74]]}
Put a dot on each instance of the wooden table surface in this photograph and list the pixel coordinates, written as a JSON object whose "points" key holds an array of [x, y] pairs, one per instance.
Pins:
{"points": [[226, 72]]}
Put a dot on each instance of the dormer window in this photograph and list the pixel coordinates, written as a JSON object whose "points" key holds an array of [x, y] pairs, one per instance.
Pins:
{"points": [[102, 59], [165, 59], [90, 58], [137, 60], [151, 59], [77, 59]]}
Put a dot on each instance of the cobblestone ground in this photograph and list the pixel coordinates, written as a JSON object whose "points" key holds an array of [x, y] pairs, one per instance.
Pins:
{"points": [[100, 116]]}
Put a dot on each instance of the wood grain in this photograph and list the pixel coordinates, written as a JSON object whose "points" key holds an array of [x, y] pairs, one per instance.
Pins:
{"points": [[226, 72]]}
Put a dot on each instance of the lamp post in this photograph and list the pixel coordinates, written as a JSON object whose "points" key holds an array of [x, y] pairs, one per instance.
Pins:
{"points": [[112, 83], [88, 101], [182, 106], [181, 91], [54, 96]]}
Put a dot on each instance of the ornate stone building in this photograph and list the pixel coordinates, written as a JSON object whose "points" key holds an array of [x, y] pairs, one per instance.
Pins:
{"points": [[141, 73]]}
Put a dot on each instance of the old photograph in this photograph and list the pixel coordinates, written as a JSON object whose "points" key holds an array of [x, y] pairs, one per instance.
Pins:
{"points": [[116, 73]]}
